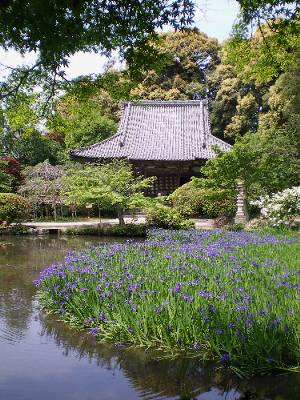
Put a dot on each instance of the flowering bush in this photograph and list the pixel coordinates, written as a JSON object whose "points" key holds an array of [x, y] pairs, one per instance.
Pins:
{"points": [[280, 208], [228, 296]]}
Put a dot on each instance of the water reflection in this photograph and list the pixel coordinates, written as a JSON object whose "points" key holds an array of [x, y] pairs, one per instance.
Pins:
{"points": [[21, 259], [181, 379], [44, 358]]}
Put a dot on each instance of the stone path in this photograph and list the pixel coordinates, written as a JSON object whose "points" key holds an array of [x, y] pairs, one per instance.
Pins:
{"points": [[48, 227]]}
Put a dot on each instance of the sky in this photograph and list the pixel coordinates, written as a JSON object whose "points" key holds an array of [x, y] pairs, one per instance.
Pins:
{"points": [[214, 17]]}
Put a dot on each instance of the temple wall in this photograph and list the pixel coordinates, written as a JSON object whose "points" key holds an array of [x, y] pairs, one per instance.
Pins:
{"points": [[170, 174]]}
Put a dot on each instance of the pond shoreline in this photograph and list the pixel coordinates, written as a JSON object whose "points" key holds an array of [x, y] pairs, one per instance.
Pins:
{"points": [[107, 228]]}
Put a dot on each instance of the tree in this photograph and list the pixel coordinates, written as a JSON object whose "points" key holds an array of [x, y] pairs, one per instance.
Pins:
{"points": [[257, 10], [272, 49], [20, 135], [267, 161], [235, 105], [89, 110], [5, 178], [112, 184], [82, 124], [180, 68], [83, 119], [284, 106], [56, 29], [10, 174]]}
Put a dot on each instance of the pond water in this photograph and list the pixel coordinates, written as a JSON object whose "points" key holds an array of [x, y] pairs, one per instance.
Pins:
{"points": [[41, 358]]}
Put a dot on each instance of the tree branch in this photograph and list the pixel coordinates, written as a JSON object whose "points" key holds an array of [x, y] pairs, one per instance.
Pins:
{"points": [[21, 81]]}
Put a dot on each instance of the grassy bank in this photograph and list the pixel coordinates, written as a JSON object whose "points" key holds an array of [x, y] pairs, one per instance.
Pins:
{"points": [[128, 230], [228, 296]]}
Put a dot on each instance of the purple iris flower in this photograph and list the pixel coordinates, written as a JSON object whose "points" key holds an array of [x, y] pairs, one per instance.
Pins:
{"points": [[119, 345], [102, 316], [94, 331], [196, 346], [225, 358]]}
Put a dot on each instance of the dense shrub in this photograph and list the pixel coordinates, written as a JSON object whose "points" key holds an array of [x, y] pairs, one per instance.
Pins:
{"points": [[126, 230], [187, 200], [217, 202], [15, 230], [194, 199], [222, 222], [13, 207], [162, 216], [236, 227]]}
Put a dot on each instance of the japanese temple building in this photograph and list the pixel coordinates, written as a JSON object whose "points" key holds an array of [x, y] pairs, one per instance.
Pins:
{"points": [[166, 139]]}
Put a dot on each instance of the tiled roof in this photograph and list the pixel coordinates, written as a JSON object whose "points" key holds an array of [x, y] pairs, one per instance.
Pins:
{"points": [[161, 131]]}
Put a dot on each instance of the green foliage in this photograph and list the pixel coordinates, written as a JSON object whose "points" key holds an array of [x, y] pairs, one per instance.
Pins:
{"points": [[128, 230], [268, 52], [84, 115], [266, 161], [112, 184], [234, 105], [217, 202], [236, 227], [194, 198], [181, 68], [35, 148], [162, 216], [44, 27], [264, 228], [87, 127], [5, 178], [186, 200], [20, 136], [283, 113], [90, 108], [13, 207]]}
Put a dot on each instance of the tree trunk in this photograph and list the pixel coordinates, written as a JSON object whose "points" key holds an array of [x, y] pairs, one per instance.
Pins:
{"points": [[120, 216], [54, 211], [99, 214]]}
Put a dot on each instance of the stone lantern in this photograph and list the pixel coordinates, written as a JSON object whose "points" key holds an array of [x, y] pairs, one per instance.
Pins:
{"points": [[241, 216]]}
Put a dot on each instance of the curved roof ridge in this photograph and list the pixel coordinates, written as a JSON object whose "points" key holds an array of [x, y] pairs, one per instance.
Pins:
{"points": [[177, 130], [90, 146], [164, 102]]}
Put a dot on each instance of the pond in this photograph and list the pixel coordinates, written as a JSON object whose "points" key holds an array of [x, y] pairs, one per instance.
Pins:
{"points": [[43, 358]]}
